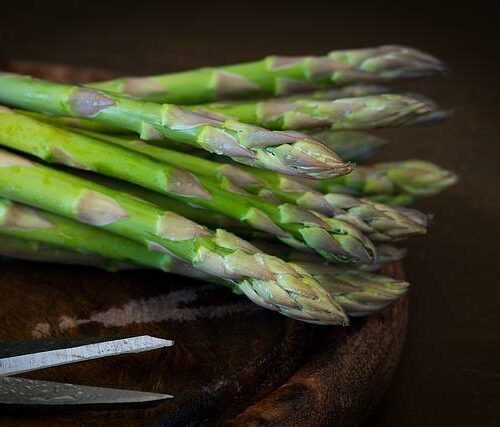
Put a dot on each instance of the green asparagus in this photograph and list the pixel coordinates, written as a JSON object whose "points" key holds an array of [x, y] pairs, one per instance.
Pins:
{"points": [[351, 146], [359, 293], [141, 184], [366, 112], [406, 179], [279, 75], [290, 153], [18, 221], [381, 223], [377, 221], [373, 106], [266, 280], [386, 253], [335, 239]]}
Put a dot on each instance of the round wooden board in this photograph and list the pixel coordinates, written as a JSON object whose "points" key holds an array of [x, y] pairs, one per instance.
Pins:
{"points": [[233, 363], [230, 360]]}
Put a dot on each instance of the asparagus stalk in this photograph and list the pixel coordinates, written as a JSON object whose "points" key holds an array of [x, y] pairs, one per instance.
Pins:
{"points": [[35, 235], [379, 222], [349, 145], [386, 253], [290, 153], [367, 112], [435, 115], [27, 225], [360, 294], [71, 123], [279, 75], [266, 280], [334, 239], [352, 146], [195, 213], [400, 181]]}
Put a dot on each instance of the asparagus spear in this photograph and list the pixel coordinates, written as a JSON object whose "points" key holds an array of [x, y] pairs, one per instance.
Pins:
{"points": [[435, 115], [389, 224], [334, 239], [379, 222], [33, 234], [405, 180], [266, 280], [366, 112], [279, 75], [290, 153], [70, 242], [349, 145], [25, 223], [71, 123], [352, 146], [195, 213], [386, 253], [359, 293]]}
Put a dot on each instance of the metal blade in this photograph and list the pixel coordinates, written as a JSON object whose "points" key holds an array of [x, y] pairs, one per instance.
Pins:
{"points": [[23, 392], [41, 357], [18, 348]]}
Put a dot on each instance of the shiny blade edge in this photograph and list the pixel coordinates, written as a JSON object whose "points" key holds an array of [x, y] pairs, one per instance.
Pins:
{"points": [[31, 362], [25, 392]]}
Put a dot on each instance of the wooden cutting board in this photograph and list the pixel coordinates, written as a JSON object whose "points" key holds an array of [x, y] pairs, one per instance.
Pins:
{"points": [[233, 363]]}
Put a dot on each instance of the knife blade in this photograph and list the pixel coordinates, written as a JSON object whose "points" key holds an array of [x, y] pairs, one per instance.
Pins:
{"points": [[34, 393], [17, 358]]}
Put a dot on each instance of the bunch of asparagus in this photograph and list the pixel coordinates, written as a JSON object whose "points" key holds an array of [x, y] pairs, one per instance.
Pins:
{"points": [[198, 173]]}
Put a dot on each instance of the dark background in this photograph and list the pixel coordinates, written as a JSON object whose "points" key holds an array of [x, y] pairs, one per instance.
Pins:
{"points": [[450, 370]]}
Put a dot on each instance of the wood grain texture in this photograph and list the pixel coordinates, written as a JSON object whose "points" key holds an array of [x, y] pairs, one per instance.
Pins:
{"points": [[226, 347], [233, 363]]}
